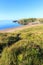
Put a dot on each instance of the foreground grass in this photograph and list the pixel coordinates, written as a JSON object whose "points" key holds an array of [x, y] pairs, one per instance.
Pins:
{"points": [[22, 48]]}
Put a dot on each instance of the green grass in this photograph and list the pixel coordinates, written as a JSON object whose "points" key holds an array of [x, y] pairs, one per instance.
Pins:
{"points": [[22, 48]]}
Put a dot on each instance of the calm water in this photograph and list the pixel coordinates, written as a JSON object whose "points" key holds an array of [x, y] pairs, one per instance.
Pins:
{"points": [[4, 24]]}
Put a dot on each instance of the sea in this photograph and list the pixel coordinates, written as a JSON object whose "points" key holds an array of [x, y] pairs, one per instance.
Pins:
{"points": [[5, 24]]}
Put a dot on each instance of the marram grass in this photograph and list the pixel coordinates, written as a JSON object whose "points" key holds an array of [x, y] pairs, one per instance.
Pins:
{"points": [[22, 48]]}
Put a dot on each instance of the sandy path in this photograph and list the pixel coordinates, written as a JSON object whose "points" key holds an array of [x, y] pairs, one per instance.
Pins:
{"points": [[12, 30]]}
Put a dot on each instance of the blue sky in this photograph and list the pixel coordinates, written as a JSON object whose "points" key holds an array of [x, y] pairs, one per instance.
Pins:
{"points": [[17, 9]]}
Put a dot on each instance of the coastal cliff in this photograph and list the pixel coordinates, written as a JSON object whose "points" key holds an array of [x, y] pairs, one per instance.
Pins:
{"points": [[29, 20]]}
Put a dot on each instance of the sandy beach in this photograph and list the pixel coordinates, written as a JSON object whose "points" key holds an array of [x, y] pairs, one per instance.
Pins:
{"points": [[12, 30]]}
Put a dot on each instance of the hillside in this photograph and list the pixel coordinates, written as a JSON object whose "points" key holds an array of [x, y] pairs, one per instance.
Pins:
{"points": [[30, 20], [24, 47]]}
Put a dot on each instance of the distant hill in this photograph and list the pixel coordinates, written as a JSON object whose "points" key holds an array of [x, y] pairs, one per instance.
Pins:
{"points": [[28, 20]]}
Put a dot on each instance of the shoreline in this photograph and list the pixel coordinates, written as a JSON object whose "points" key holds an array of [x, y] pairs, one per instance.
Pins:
{"points": [[12, 30]]}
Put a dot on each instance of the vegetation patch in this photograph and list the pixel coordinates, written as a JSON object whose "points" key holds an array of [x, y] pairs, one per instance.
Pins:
{"points": [[22, 48], [30, 20]]}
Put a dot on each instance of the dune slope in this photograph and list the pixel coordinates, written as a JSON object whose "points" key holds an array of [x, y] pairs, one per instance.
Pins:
{"points": [[23, 47]]}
